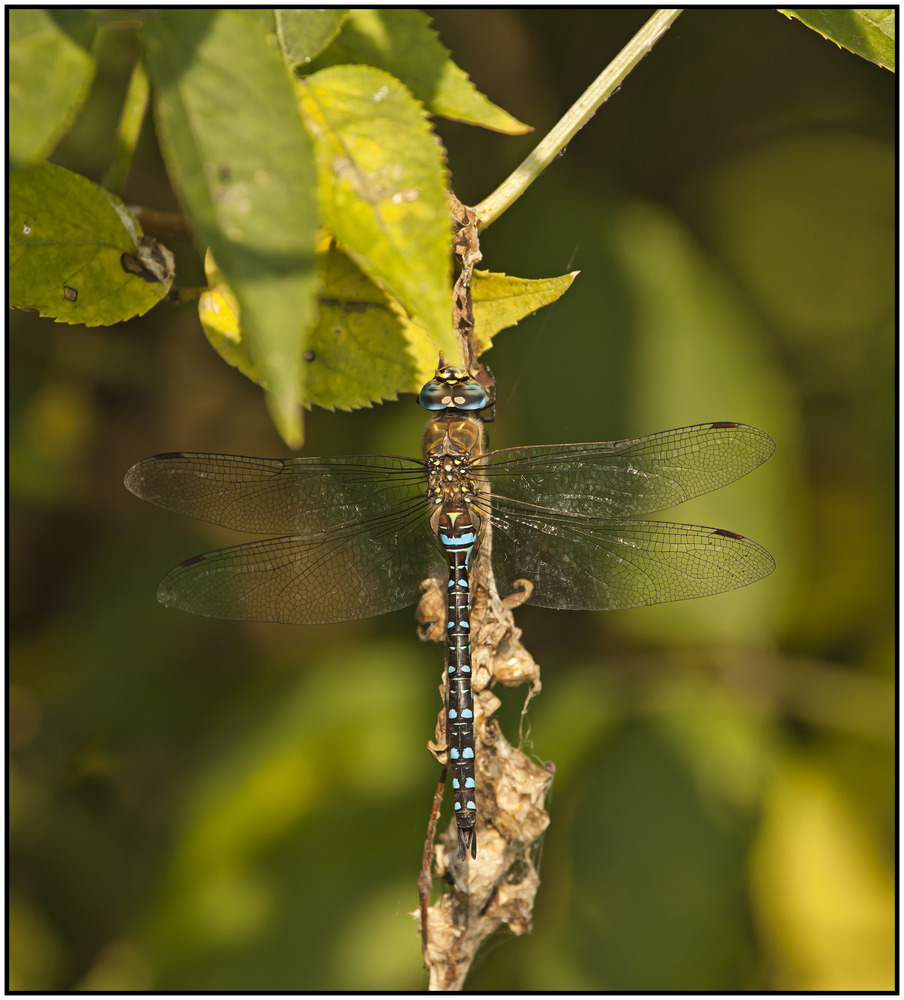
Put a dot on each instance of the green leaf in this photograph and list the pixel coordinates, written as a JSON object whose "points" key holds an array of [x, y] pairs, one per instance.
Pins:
{"points": [[51, 67], [242, 163], [75, 252], [401, 41], [363, 350], [301, 32], [866, 31], [501, 301], [382, 185]]}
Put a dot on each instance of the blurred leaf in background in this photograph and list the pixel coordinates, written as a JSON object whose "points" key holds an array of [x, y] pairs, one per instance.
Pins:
{"points": [[197, 804], [52, 65]]}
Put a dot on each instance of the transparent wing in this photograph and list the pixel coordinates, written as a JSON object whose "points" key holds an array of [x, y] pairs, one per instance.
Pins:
{"points": [[264, 495], [635, 476], [591, 563], [356, 570]]}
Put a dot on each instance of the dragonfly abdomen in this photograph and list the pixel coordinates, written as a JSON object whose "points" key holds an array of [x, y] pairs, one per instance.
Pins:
{"points": [[457, 534]]}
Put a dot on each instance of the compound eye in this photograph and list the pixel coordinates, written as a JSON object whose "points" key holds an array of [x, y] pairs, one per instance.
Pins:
{"points": [[470, 395], [435, 395]]}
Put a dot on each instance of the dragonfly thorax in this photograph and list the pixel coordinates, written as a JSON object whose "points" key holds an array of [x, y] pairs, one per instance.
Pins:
{"points": [[449, 480]]}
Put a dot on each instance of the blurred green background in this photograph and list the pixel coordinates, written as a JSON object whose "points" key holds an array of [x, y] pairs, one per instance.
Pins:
{"points": [[205, 805]]}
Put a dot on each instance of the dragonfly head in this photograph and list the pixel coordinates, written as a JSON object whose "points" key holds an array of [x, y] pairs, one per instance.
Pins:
{"points": [[453, 389]]}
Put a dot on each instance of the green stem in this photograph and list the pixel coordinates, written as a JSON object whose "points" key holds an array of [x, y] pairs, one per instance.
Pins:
{"points": [[576, 117], [129, 128]]}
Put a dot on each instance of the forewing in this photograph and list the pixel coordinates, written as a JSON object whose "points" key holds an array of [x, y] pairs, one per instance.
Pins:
{"points": [[635, 476], [265, 495]]}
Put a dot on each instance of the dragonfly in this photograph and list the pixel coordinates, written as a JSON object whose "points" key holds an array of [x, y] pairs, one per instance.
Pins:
{"points": [[356, 535]]}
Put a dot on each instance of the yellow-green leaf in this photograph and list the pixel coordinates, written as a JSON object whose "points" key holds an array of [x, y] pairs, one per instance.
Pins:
{"points": [[401, 41], [51, 66], [362, 351], [300, 32], [76, 254], [382, 183], [868, 32], [241, 160], [501, 301]]}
